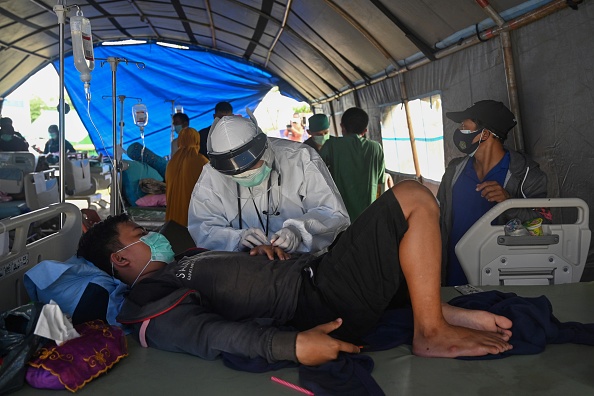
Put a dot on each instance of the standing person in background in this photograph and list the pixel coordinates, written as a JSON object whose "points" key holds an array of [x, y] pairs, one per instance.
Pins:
{"points": [[488, 174], [179, 121], [294, 129], [10, 140], [318, 130], [355, 162], [221, 110], [182, 173]]}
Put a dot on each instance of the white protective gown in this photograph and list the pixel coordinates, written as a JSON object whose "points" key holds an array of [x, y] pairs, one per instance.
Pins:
{"points": [[309, 201]]}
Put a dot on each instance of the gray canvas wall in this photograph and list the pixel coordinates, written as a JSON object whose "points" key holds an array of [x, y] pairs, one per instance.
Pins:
{"points": [[554, 60]]}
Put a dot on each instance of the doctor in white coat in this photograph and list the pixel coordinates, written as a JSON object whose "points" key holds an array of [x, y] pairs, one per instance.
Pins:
{"points": [[263, 191]]}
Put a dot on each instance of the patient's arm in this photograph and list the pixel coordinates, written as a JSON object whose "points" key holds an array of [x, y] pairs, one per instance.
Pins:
{"points": [[192, 329]]}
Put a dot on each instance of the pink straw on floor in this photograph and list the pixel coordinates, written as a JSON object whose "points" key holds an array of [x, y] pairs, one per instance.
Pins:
{"points": [[292, 386]]}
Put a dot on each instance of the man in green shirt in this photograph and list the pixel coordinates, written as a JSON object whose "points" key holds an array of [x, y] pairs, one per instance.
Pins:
{"points": [[355, 162]]}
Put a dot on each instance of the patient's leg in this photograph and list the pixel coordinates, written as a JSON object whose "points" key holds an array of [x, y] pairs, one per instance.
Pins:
{"points": [[478, 320], [420, 260]]}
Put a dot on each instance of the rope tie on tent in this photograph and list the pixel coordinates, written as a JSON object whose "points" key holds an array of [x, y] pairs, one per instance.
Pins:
{"points": [[478, 33]]}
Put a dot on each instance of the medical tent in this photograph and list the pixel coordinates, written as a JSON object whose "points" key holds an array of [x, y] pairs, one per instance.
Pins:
{"points": [[536, 56]]}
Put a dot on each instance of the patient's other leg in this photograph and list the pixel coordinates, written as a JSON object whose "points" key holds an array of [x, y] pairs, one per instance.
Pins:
{"points": [[420, 259]]}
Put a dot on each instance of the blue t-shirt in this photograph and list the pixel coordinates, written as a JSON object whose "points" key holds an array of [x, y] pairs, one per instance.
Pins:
{"points": [[467, 207]]}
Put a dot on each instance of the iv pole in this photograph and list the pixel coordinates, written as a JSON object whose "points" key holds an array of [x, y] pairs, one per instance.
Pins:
{"points": [[60, 11], [172, 101], [115, 207], [117, 153], [173, 111]]}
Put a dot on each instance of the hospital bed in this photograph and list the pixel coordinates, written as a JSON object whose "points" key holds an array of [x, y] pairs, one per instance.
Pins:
{"points": [[80, 183], [14, 165], [23, 255], [489, 257], [560, 369]]}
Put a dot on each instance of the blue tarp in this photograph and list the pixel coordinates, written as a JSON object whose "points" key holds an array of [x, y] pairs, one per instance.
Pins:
{"points": [[195, 79]]}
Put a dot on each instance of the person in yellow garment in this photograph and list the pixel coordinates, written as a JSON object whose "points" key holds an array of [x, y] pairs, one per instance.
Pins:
{"points": [[181, 175]]}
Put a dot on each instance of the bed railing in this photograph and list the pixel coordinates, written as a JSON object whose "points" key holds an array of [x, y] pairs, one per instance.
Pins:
{"points": [[489, 257], [23, 254]]}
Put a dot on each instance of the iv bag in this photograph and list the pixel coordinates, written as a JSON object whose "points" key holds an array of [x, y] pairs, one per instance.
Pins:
{"points": [[140, 115], [82, 46], [179, 108]]}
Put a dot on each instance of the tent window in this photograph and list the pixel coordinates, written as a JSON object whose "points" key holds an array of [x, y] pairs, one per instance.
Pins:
{"points": [[427, 122]]}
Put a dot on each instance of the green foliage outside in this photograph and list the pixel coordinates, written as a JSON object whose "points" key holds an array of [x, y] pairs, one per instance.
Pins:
{"points": [[37, 105], [302, 109], [85, 145]]}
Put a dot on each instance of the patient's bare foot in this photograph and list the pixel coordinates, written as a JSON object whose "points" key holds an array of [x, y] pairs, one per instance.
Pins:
{"points": [[478, 320], [454, 341]]}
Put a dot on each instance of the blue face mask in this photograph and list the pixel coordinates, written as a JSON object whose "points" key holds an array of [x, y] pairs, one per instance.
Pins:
{"points": [[254, 179], [53, 136], [178, 128], [6, 137]]}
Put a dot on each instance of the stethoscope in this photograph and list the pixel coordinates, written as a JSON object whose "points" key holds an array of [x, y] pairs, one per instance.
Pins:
{"points": [[268, 212]]}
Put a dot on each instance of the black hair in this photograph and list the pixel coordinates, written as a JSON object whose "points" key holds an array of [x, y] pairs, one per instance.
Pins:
{"points": [[223, 108], [182, 117], [354, 121], [101, 240]]}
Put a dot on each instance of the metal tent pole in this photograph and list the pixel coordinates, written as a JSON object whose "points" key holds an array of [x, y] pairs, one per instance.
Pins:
{"points": [[510, 72]]}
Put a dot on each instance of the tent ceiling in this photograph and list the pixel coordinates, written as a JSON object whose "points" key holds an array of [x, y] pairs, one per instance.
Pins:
{"points": [[319, 47]]}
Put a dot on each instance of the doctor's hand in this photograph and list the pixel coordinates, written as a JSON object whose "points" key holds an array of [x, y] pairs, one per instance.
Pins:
{"points": [[287, 238], [492, 191], [314, 346], [269, 251], [253, 237]]}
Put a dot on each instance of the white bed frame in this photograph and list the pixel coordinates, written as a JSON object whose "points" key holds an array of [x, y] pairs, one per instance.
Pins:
{"points": [[489, 257], [22, 255]]}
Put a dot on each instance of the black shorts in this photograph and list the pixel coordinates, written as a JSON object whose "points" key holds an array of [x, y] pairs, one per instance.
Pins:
{"points": [[358, 279]]}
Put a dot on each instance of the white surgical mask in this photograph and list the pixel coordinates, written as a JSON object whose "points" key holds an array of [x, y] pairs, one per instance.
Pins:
{"points": [[321, 139]]}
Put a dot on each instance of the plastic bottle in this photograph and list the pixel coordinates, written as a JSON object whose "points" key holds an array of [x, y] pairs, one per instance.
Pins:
{"points": [[82, 48], [140, 115]]}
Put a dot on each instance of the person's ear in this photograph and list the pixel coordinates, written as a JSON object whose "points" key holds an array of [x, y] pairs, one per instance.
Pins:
{"points": [[488, 135], [118, 260]]}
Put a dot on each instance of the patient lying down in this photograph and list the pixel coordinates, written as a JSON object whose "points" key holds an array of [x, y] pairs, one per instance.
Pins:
{"points": [[235, 302]]}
